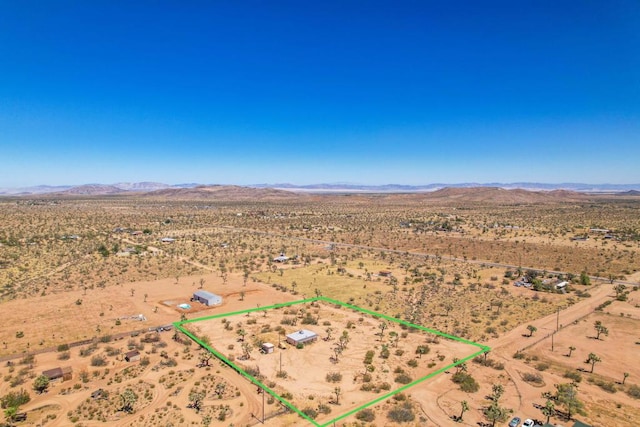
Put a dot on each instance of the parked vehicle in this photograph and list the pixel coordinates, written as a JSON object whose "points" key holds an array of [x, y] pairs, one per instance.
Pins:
{"points": [[528, 423], [515, 422]]}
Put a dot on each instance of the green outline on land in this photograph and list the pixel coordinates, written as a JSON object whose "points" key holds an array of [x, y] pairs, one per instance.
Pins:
{"points": [[178, 325]]}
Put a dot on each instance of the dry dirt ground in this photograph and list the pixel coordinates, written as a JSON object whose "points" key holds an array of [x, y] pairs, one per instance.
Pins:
{"points": [[310, 388], [55, 290]]}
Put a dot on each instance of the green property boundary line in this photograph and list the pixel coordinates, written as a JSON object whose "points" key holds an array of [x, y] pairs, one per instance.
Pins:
{"points": [[179, 326]]}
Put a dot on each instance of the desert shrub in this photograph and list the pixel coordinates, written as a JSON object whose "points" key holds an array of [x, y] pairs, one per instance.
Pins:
{"points": [[532, 378], [413, 363], [64, 355], [573, 375], [609, 387], [634, 391], [367, 415], [324, 409], [98, 361], [402, 413], [518, 355], [466, 382], [310, 412], [368, 358], [542, 366], [14, 399], [63, 347], [334, 377]]}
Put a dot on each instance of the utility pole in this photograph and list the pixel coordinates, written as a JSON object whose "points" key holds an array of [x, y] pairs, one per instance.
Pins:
{"points": [[558, 320]]}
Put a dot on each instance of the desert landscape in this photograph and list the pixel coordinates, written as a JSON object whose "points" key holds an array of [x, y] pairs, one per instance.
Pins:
{"points": [[93, 288]]}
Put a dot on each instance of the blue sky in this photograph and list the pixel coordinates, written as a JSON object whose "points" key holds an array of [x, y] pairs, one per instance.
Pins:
{"points": [[368, 92]]}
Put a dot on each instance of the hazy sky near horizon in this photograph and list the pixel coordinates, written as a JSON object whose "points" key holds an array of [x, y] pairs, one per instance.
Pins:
{"points": [[366, 92]]}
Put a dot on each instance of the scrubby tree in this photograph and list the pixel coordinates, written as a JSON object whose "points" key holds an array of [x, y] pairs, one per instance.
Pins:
{"points": [[567, 396], [531, 329], [128, 398], [382, 326], [495, 413], [548, 410], [624, 377], [600, 329], [496, 392], [41, 383], [593, 359], [421, 350], [338, 392], [571, 350], [195, 398], [464, 407]]}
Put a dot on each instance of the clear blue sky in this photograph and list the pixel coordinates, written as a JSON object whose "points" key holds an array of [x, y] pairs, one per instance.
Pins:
{"points": [[368, 92]]}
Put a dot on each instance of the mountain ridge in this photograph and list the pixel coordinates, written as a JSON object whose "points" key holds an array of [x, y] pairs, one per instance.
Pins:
{"points": [[148, 186]]}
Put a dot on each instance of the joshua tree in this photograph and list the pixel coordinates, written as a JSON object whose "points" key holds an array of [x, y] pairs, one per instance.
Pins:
{"points": [[241, 333], [422, 349], [338, 351], [127, 399], [328, 331], [600, 329], [531, 329], [593, 359], [496, 413], [464, 407], [242, 296], [496, 392], [337, 391], [625, 376], [41, 383], [220, 388], [549, 409], [567, 396], [382, 326], [145, 297], [196, 398], [571, 350], [201, 283], [246, 348]]}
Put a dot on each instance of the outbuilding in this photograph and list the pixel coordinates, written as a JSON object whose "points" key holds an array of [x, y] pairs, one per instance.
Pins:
{"points": [[58, 373], [302, 336], [132, 356], [206, 298], [267, 348]]}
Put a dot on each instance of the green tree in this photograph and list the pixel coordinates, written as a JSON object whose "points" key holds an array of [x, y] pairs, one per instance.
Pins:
{"points": [[10, 414], [531, 329], [41, 383], [495, 413], [464, 407], [600, 329], [195, 398], [593, 359], [128, 398], [422, 350], [548, 410], [567, 396], [584, 278], [496, 392], [338, 392]]}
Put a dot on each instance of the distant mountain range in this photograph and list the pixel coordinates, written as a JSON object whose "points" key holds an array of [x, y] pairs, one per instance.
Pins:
{"points": [[147, 187]]}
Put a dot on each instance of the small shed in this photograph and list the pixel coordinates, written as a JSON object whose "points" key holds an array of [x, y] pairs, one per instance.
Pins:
{"points": [[384, 273], [132, 356], [302, 336], [65, 374], [167, 240], [281, 258], [206, 298], [267, 348], [561, 285]]}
